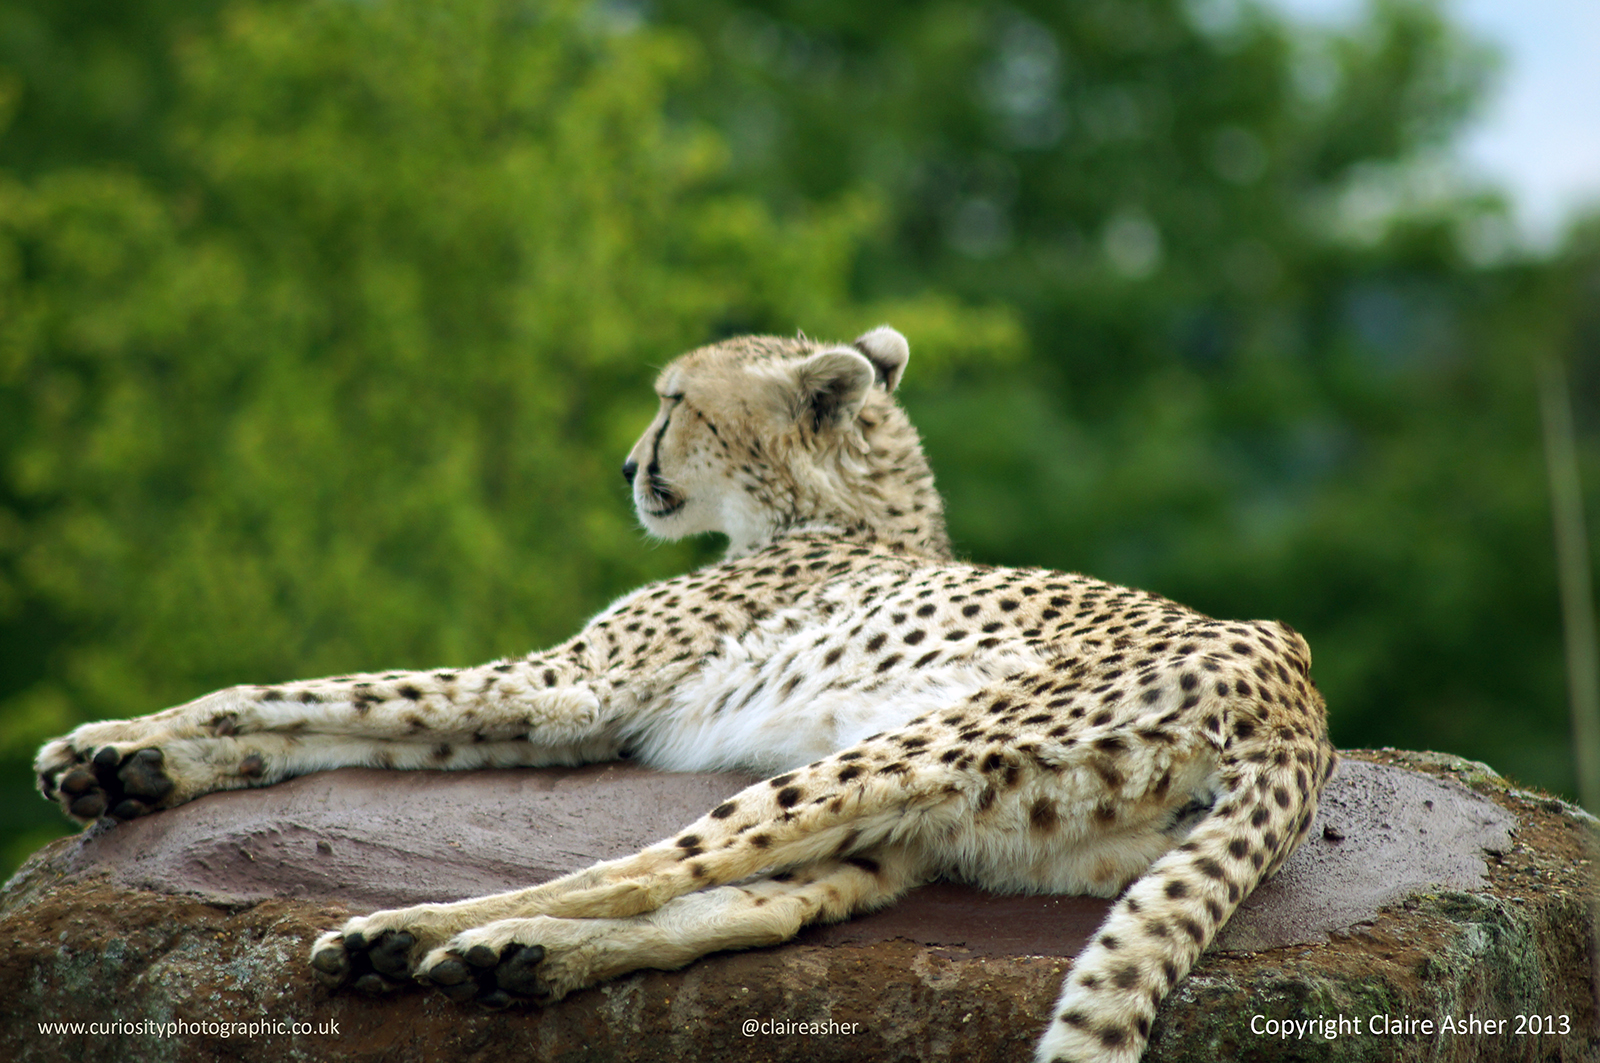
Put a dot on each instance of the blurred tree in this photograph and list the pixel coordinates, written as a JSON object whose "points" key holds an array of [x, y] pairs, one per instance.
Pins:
{"points": [[83, 81], [347, 383], [319, 345], [1277, 369]]}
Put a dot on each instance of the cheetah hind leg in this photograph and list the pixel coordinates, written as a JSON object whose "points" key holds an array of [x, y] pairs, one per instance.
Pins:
{"points": [[779, 830], [542, 959], [376, 953]]}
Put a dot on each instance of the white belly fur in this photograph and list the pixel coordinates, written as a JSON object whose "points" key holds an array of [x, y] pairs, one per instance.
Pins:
{"points": [[744, 711]]}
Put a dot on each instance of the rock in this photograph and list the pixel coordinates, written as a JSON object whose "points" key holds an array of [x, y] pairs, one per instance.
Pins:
{"points": [[1429, 891]]}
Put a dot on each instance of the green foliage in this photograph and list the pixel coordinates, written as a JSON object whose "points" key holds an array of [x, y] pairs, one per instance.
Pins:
{"points": [[324, 325], [352, 389], [82, 81], [1270, 376]]}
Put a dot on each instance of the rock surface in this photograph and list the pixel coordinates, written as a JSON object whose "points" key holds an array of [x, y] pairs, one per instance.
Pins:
{"points": [[1429, 890]]}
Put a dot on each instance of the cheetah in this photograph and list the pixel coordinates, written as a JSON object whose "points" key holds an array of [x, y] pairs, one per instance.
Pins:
{"points": [[1023, 730]]}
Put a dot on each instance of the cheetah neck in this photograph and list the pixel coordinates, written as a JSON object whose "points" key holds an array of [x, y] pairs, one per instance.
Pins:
{"points": [[914, 527], [808, 535], [881, 489]]}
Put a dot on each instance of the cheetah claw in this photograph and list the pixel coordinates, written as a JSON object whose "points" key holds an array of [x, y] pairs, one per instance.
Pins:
{"points": [[106, 782], [494, 980]]}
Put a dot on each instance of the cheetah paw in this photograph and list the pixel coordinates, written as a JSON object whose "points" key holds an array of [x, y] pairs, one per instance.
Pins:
{"points": [[375, 966], [90, 783], [492, 978]]}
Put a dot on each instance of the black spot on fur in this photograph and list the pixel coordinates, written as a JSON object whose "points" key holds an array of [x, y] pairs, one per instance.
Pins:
{"points": [[865, 863], [1043, 816]]}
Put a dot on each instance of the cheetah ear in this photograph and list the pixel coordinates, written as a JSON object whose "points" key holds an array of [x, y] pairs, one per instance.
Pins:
{"points": [[832, 386], [888, 351]]}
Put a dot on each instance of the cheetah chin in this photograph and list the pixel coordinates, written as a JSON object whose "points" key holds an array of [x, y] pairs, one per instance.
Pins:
{"points": [[919, 716]]}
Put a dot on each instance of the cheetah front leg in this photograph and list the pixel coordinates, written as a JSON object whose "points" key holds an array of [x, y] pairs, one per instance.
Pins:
{"points": [[535, 711]]}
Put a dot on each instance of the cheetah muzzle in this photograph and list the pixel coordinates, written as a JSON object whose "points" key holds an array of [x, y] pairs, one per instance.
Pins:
{"points": [[919, 716]]}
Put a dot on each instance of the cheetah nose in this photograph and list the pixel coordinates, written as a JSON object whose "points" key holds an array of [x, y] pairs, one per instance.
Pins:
{"points": [[630, 469]]}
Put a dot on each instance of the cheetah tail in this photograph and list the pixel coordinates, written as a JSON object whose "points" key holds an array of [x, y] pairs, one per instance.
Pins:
{"points": [[1165, 920]]}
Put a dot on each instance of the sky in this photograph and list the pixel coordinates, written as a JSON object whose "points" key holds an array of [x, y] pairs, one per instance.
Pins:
{"points": [[1538, 133]]}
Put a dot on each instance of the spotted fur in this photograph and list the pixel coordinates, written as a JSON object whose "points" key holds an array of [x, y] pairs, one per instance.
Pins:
{"points": [[1021, 729]]}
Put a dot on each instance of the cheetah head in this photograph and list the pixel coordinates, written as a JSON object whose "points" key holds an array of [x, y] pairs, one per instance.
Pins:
{"points": [[760, 435]]}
